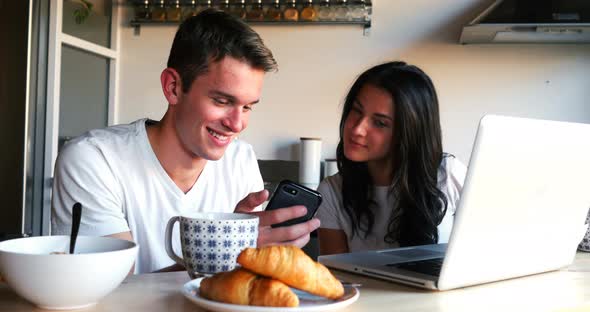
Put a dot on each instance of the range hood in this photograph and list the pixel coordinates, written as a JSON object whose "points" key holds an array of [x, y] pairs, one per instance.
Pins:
{"points": [[531, 21]]}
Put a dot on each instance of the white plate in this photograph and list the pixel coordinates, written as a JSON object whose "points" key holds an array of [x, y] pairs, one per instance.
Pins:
{"points": [[307, 302]]}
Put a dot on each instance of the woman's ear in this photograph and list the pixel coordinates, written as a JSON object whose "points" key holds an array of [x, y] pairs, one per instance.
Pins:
{"points": [[171, 85]]}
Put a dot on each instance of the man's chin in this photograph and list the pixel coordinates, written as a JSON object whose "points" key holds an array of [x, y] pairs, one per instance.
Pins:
{"points": [[217, 155], [211, 152], [214, 158]]}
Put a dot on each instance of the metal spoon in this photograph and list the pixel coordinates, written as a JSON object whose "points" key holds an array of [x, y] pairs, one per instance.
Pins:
{"points": [[76, 216]]}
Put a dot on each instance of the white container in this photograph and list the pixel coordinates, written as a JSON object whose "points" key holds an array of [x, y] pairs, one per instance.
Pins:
{"points": [[65, 281], [310, 154]]}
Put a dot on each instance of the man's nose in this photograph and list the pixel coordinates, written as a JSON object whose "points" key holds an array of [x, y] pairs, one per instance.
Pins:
{"points": [[234, 120]]}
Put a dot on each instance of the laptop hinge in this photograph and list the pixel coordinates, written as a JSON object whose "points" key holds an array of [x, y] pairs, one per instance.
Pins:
{"points": [[399, 279]]}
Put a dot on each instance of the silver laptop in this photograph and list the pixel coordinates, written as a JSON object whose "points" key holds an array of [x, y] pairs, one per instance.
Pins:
{"points": [[522, 210]]}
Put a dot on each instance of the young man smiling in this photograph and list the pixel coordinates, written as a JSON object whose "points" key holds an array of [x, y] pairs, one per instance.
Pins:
{"points": [[131, 179]]}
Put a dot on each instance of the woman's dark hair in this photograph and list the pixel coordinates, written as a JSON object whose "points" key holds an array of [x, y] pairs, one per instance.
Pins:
{"points": [[209, 37], [419, 205]]}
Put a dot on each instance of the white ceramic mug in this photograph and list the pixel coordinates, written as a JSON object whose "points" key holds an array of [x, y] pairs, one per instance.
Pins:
{"points": [[211, 242]]}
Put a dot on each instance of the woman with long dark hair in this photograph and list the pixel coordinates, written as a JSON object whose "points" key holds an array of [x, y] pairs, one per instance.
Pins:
{"points": [[395, 186]]}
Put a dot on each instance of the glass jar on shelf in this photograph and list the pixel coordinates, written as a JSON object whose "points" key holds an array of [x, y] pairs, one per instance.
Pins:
{"points": [[173, 11], [238, 9], [308, 12], [358, 10], [342, 11], [189, 9], [143, 11], [290, 13], [274, 13], [159, 11], [204, 5], [255, 11], [223, 5], [325, 11]]}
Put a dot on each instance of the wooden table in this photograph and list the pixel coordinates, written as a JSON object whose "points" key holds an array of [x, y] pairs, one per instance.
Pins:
{"points": [[564, 290]]}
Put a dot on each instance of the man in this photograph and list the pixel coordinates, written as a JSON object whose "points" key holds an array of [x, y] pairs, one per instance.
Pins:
{"points": [[131, 179]]}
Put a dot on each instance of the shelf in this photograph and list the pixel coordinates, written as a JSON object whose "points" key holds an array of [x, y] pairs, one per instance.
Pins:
{"points": [[347, 11], [365, 24]]}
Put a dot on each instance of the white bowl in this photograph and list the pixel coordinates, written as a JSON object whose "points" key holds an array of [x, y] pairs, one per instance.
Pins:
{"points": [[64, 281]]}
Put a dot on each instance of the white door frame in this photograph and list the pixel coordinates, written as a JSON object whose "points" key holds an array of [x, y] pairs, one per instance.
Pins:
{"points": [[56, 40]]}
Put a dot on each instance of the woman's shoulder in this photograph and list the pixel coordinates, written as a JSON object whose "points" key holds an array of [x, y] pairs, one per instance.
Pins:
{"points": [[452, 174], [331, 185], [453, 167]]}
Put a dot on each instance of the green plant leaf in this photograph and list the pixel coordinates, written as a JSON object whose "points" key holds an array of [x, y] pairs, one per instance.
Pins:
{"points": [[80, 15]]}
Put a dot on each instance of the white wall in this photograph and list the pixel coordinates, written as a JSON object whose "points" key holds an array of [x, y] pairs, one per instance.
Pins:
{"points": [[317, 65]]}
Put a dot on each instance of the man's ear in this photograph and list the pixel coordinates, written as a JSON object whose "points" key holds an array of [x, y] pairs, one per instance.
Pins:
{"points": [[171, 85]]}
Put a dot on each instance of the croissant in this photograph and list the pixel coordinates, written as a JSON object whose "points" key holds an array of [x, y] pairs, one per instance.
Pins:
{"points": [[293, 267], [243, 287]]}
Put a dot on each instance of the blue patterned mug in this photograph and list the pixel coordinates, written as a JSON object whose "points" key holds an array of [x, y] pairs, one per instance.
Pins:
{"points": [[211, 242], [585, 243]]}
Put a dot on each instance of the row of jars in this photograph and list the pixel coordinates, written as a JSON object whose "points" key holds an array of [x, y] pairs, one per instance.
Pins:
{"points": [[257, 10]]}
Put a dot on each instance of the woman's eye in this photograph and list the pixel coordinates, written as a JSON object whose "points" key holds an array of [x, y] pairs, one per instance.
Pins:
{"points": [[247, 108], [380, 124]]}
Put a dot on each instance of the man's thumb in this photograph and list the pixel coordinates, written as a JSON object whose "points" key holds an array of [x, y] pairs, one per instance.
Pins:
{"points": [[252, 201]]}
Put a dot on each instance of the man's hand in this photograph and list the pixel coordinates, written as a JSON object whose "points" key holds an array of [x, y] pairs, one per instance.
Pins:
{"points": [[297, 234]]}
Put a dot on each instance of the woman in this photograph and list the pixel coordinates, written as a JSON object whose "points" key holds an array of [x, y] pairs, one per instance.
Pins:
{"points": [[395, 186]]}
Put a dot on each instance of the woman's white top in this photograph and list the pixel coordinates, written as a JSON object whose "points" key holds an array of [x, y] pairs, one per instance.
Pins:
{"points": [[332, 215]]}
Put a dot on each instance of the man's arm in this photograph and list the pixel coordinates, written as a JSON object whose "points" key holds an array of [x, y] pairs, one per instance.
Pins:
{"points": [[173, 268], [126, 236], [129, 237], [83, 175]]}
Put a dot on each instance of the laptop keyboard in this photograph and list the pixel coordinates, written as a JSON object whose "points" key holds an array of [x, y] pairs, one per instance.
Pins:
{"points": [[428, 267], [413, 253]]}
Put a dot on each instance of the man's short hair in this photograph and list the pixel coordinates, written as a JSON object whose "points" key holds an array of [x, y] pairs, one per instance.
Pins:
{"points": [[209, 37]]}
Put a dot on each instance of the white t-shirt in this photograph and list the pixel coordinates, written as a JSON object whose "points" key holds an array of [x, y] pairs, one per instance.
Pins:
{"points": [[122, 187], [332, 215]]}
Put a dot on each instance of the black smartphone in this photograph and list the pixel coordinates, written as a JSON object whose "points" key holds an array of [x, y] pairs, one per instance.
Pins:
{"points": [[289, 193]]}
